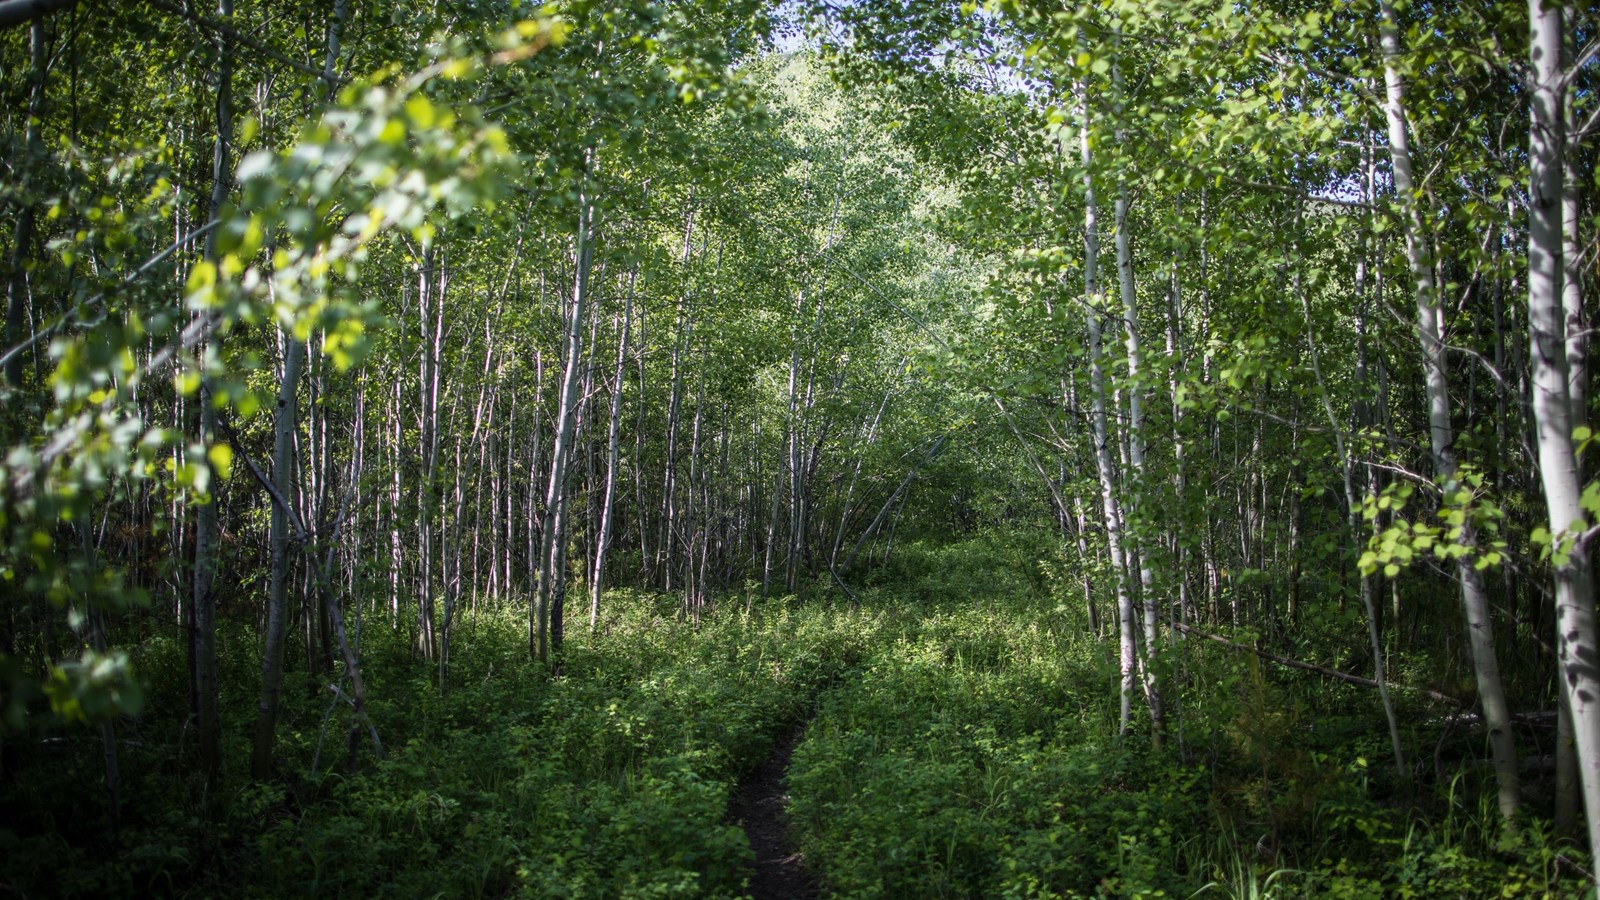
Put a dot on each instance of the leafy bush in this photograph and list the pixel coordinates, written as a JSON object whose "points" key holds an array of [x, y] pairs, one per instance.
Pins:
{"points": [[610, 780], [958, 745]]}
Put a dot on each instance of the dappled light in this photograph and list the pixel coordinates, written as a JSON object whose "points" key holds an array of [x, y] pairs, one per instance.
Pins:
{"points": [[734, 448]]}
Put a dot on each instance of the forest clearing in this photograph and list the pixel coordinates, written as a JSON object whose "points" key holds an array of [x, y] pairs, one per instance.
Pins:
{"points": [[882, 448]]}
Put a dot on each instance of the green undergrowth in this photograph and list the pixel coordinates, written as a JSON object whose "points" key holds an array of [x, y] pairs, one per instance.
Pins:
{"points": [[610, 780], [961, 743], [975, 755]]}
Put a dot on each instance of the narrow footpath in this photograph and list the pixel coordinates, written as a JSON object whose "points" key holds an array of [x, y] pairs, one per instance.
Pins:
{"points": [[762, 807]]}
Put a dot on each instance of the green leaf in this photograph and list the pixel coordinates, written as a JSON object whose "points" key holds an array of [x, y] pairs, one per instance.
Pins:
{"points": [[221, 458]]}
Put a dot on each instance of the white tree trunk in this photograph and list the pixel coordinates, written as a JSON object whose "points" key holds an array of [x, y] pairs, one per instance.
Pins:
{"points": [[1567, 779], [205, 532], [1110, 505], [1577, 648], [1474, 594], [1136, 451], [613, 445], [550, 574], [284, 423]]}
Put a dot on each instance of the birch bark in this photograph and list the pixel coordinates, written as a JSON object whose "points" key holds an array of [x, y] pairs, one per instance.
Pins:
{"points": [[551, 582], [1474, 594], [613, 446], [285, 421], [205, 532], [1110, 504], [1577, 649]]}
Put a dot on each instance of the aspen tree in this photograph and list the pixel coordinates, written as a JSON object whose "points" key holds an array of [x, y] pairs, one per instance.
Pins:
{"points": [[285, 421], [545, 637], [1429, 329], [1111, 506], [613, 446], [1577, 645], [205, 530]]}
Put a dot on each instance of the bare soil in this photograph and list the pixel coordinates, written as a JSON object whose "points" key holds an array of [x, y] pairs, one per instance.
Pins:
{"points": [[761, 807]]}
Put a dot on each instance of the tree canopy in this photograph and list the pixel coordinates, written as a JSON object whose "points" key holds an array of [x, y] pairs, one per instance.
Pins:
{"points": [[1114, 390]]}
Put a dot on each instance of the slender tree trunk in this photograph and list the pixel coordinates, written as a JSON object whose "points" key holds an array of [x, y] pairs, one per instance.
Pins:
{"points": [[670, 521], [327, 487], [205, 639], [694, 511], [396, 558], [1577, 647], [284, 423], [22, 230], [1084, 562], [1111, 507], [613, 445], [1577, 345], [774, 514], [792, 433], [1474, 594], [551, 581], [430, 308], [560, 538], [1143, 549], [509, 499], [535, 521], [1180, 478], [646, 548], [358, 468]]}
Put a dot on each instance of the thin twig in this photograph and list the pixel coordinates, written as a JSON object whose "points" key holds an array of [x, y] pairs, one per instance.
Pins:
{"points": [[1308, 667], [74, 316]]}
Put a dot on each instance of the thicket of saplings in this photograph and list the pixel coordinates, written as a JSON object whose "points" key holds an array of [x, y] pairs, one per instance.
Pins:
{"points": [[960, 741]]}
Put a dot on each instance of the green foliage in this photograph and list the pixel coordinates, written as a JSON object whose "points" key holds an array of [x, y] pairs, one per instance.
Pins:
{"points": [[823, 279], [94, 688], [956, 746], [968, 758], [1468, 525], [965, 760], [612, 780], [290, 252]]}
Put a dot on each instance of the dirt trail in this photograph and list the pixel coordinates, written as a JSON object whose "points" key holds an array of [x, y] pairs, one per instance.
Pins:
{"points": [[761, 807]]}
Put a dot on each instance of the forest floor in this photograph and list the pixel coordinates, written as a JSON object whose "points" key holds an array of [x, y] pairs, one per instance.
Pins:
{"points": [[953, 736], [761, 807]]}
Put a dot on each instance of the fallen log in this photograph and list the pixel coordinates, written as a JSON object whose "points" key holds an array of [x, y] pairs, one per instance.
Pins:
{"points": [[1312, 667]]}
